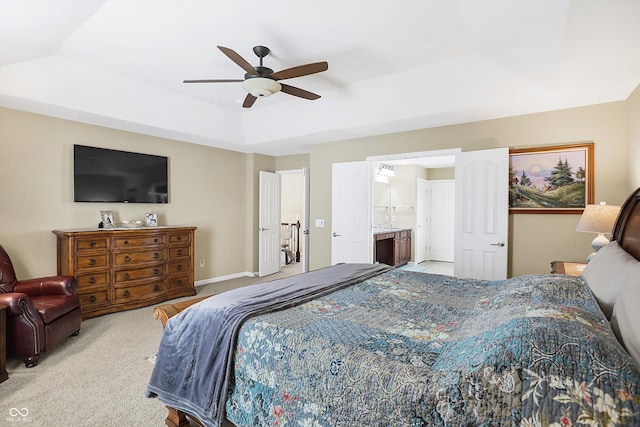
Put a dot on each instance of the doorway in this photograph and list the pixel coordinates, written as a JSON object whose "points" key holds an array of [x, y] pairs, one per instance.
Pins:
{"points": [[408, 201], [294, 210]]}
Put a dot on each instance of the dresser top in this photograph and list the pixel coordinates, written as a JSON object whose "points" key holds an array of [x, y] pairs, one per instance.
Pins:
{"points": [[122, 229]]}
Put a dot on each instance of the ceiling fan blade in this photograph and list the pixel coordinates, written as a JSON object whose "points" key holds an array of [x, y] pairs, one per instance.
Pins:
{"points": [[239, 60], [248, 101], [296, 91], [213, 81], [301, 70]]}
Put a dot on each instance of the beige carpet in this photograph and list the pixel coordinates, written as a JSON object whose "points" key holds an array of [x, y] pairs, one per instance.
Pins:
{"points": [[99, 377]]}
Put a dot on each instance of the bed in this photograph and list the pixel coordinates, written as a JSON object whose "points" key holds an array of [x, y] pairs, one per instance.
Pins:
{"points": [[392, 347]]}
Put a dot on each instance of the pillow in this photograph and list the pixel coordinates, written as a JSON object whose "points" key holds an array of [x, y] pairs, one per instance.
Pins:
{"points": [[625, 321], [607, 273]]}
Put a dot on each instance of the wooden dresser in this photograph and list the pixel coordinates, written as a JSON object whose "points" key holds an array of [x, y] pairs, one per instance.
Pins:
{"points": [[120, 269]]}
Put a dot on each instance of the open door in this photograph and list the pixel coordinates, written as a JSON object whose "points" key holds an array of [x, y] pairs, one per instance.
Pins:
{"points": [[351, 236], [306, 222], [482, 211], [269, 224]]}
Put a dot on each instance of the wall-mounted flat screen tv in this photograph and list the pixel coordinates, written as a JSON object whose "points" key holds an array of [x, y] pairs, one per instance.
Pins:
{"points": [[104, 175]]}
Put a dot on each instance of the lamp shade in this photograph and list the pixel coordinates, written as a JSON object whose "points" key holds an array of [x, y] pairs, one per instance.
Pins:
{"points": [[598, 218]]}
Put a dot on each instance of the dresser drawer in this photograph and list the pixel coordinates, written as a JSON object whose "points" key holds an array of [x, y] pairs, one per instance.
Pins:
{"points": [[93, 298], [180, 238], [179, 251], [140, 241], [139, 273], [179, 282], [87, 262], [179, 266], [136, 292], [94, 279], [100, 243], [138, 257]]}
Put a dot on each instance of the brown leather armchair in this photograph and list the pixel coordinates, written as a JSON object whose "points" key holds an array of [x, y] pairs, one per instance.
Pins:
{"points": [[41, 313]]}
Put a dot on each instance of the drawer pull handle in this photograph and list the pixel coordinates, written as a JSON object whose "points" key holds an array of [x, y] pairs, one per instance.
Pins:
{"points": [[179, 267], [155, 240], [126, 242], [92, 261], [156, 255], [179, 282], [93, 298], [156, 271], [179, 251], [126, 293], [156, 288], [92, 244], [179, 237], [92, 280], [127, 276], [127, 258]]}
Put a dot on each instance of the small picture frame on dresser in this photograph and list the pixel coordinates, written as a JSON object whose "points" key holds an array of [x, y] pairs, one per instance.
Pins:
{"points": [[151, 219], [108, 220]]}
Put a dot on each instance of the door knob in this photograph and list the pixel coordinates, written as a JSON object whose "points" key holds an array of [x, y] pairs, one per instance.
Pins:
{"points": [[501, 244], [336, 235], [262, 229]]}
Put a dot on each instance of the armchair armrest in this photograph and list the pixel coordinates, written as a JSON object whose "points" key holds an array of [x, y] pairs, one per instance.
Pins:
{"points": [[15, 302], [50, 285]]}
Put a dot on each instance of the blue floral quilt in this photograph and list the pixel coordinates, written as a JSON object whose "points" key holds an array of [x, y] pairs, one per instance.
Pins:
{"points": [[415, 349]]}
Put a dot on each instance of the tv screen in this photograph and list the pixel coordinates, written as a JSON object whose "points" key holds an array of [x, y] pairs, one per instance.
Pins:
{"points": [[104, 175]]}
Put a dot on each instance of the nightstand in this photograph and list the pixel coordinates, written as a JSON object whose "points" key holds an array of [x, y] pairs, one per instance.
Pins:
{"points": [[3, 344], [568, 268]]}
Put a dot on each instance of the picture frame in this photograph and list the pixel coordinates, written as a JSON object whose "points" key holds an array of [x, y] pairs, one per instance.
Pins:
{"points": [[108, 219], [151, 219], [553, 179]]}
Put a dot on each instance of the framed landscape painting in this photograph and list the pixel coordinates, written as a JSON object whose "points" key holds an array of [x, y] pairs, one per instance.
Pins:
{"points": [[557, 179]]}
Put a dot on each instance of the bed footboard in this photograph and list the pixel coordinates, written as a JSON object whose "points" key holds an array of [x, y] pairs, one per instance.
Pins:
{"points": [[166, 311], [175, 417]]}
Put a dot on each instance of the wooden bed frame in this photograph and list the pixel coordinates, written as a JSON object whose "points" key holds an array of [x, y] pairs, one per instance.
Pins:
{"points": [[626, 232]]}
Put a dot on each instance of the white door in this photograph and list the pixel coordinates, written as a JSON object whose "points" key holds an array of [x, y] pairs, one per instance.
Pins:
{"points": [[269, 224], [442, 220], [351, 205], [422, 222], [482, 209]]}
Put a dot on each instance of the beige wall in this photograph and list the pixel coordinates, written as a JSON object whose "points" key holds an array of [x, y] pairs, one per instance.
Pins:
{"points": [[216, 190], [633, 130], [209, 188], [535, 240]]}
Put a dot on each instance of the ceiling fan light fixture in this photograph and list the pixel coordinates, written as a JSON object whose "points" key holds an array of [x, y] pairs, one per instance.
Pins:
{"points": [[260, 86]]}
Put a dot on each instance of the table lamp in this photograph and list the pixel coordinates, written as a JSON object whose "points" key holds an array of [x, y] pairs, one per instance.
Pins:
{"points": [[598, 219]]}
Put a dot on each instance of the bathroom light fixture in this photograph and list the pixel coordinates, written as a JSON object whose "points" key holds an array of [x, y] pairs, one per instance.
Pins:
{"points": [[386, 169], [598, 219], [260, 86]]}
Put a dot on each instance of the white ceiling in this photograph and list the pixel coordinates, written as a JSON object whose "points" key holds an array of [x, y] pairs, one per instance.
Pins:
{"points": [[394, 65]]}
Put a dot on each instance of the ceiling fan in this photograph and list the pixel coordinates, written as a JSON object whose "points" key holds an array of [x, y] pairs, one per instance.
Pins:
{"points": [[262, 81]]}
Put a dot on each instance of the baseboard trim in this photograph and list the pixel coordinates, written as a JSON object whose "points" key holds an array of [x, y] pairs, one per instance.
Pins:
{"points": [[223, 278]]}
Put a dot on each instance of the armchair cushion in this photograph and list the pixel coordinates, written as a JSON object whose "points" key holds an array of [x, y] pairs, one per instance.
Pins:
{"points": [[53, 307]]}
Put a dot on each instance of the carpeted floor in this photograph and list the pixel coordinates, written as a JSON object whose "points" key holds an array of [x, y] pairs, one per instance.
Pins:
{"points": [[97, 378]]}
